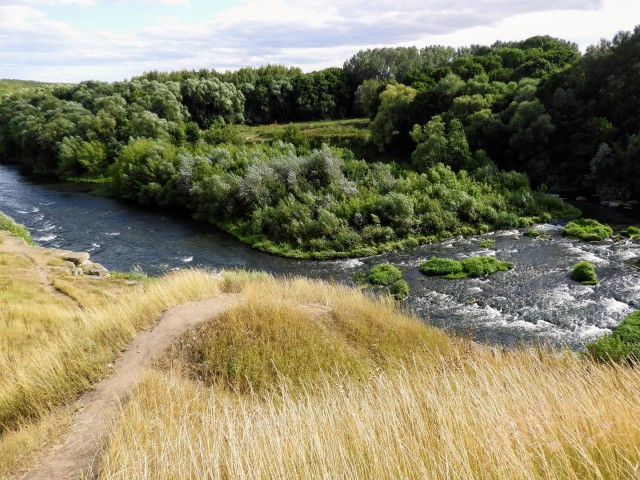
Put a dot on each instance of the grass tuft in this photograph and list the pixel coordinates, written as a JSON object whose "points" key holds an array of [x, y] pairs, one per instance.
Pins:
{"points": [[585, 273], [384, 274], [587, 229], [469, 267]]}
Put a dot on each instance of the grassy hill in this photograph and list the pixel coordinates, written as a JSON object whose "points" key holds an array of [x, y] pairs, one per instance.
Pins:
{"points": [[305, 379]]}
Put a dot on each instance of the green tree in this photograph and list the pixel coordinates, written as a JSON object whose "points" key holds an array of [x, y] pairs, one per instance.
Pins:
{"points": [[392, 115]]}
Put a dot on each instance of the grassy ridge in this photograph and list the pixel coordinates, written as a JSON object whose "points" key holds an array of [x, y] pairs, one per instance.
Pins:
{"points": [[442, 409]]}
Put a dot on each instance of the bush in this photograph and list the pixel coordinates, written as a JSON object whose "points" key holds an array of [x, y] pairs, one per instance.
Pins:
{"points": [[623, 345], [585, 273], [587, 229], [441, 266], [384, 274], [400, 290]]}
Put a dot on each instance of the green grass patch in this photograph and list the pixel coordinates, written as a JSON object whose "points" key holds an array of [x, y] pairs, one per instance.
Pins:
{"points": [[631, 232], [384, 274], [469, 267], [585, 273], [533, 233], [400, 289], [89, 180], [8, 86], [7, 223], [587, 229], [441, 266], [622, 345], [136, 274], [486, 243]]}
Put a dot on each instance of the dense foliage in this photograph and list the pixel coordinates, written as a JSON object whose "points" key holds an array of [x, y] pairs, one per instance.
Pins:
{"points": [[450, 123], [323, 203]]}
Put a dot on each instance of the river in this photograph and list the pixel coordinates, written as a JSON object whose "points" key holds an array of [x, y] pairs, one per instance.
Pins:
{"points": [[535, 301]]}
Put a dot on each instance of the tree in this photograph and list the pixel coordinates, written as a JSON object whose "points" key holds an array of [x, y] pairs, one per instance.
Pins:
{"points": [[211, 100], [431, 145], [392, 114]]}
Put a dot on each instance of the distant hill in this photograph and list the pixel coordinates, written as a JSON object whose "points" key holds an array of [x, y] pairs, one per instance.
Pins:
{"points": [[10, 86]]}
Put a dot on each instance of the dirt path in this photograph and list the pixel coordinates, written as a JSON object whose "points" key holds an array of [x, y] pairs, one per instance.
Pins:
{"points": [[75, 456]]}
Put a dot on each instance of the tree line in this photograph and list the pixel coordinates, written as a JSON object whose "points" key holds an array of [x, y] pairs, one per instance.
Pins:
{"points": [[456, 122]]}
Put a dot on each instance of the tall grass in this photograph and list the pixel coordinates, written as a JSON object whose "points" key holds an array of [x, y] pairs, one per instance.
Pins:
{"points": [[428, 407], [58, 334], [300, 329], [522, 415], [57, 366]]}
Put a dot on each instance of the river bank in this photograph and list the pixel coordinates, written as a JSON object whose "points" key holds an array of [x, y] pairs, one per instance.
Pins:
{"points": [[535, 301]]}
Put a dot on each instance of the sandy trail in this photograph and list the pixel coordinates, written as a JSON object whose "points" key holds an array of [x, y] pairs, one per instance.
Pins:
{"points": [[75, 456]]}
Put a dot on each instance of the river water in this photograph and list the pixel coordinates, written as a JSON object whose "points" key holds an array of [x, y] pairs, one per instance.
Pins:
{"points": [[535, 301]]}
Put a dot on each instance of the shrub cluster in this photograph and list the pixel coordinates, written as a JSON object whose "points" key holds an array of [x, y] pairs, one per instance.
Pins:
{"points": [[323, 203]]}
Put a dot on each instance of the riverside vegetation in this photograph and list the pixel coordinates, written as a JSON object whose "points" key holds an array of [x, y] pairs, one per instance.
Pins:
{"points": [[304, 380], [449, 126]]}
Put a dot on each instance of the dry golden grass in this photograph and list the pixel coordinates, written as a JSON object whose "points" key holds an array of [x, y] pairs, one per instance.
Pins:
{"points": [[518, 416], [77, 353], [58, 333], [446, 409], [300, 329], [19, 447]]}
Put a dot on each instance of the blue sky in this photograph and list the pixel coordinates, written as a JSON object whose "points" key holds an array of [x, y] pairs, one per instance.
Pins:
{"points": [[73, 40]]}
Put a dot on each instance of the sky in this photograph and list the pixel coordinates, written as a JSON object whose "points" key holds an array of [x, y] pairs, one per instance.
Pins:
{"points": [[74, 40]]}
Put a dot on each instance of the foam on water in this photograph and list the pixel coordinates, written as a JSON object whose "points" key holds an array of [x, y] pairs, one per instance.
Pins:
{"points": [[591, 332], [45, 238], [349, 264], [584, 255], [46, 228]]}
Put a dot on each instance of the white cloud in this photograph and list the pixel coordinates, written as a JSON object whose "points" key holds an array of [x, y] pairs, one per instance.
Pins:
{"points": [[310, 34], [48, 3]]}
